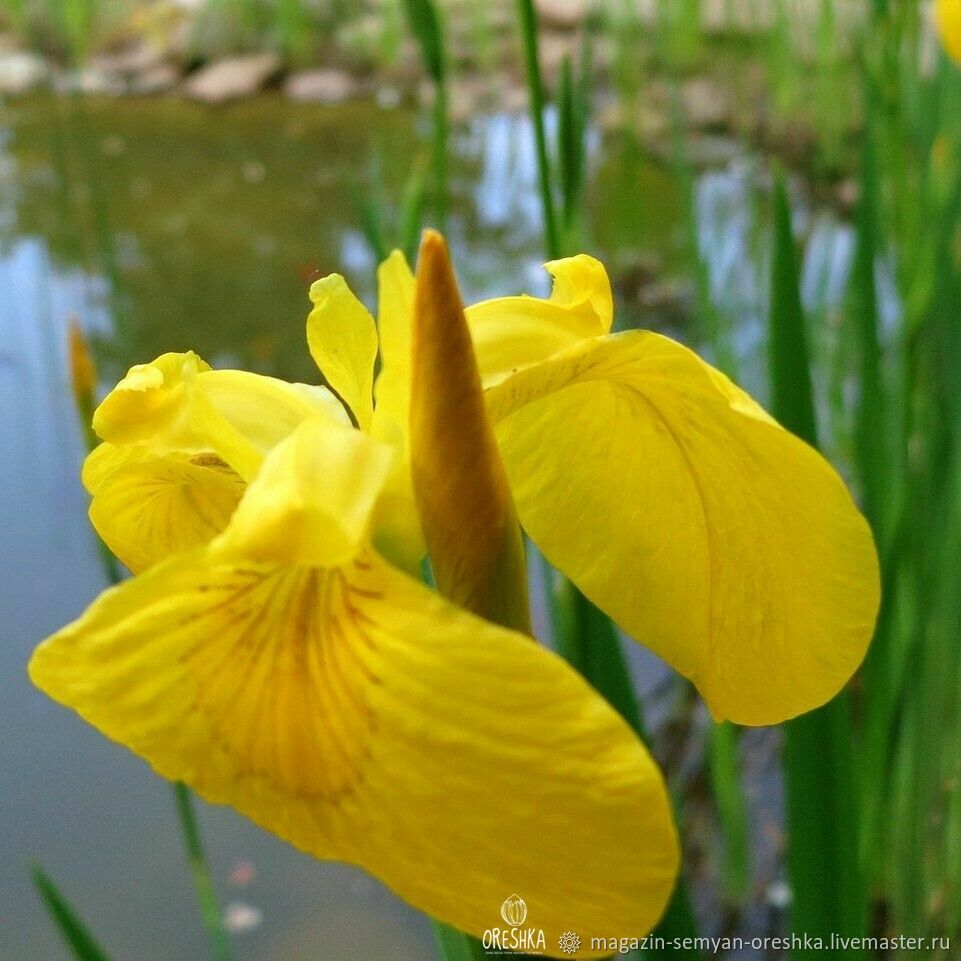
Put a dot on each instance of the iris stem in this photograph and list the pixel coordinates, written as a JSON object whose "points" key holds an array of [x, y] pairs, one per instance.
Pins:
{"points": [[203, 881]]}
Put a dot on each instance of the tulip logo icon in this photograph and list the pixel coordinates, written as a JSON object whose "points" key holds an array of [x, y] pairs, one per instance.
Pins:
{"points": [[514, 911]]}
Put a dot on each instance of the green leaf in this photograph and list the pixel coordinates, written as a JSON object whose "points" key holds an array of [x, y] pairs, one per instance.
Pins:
{"points": [[828, 890], [425, 25], [203, 882], [731, 809], [454, 945], [788, 357], [588, 640], [82, 943], [535, 91]]}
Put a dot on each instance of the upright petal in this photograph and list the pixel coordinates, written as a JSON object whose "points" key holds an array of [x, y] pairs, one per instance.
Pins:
{"points": [[360, 716], [706, 530], [343, 342], [395, 304], [511, 333], [399, 534]]}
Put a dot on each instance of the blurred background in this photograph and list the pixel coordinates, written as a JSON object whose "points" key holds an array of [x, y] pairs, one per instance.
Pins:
{"points": [[174, 174]]}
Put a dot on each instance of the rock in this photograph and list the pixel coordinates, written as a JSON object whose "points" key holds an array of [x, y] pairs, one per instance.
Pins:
{"points": [[21, 72], [321, 86], [641, 271], [707, 104], [560, 14], [700, 150], [158, 79], [92, 82], [129, 62], [232, 78], [848, 193]]}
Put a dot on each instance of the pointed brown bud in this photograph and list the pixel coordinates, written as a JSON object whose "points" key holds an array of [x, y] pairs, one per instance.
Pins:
{"points": [[461, 489]]}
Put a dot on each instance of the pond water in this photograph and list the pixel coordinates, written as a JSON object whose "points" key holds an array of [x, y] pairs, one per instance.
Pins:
{"points": [[161, 225]]}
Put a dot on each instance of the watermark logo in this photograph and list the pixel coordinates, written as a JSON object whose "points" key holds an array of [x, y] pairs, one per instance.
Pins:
{"points": [[514, 911], [569, 943], [516, 936]]}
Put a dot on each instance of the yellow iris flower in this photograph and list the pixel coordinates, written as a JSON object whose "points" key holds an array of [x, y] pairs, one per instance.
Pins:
{"points": [[272, 653], [947, 17]]}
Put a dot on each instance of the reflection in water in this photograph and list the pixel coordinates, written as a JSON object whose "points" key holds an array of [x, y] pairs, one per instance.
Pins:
{"points": [[162, 225]]}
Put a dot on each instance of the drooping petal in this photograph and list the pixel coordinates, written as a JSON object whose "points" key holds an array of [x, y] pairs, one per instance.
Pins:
{"points": [[149, 508], [511, 333], [706, 530], [343, 342], [361, 717]]}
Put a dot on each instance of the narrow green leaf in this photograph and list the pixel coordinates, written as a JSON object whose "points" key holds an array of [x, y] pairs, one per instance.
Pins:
{"points": [[587, 639], [82, 943], [454, 945], [828, 890], [535, 90], [424, 23], [203, 883], [570, 143], [788, 355], [731, 809], [412, 210]]}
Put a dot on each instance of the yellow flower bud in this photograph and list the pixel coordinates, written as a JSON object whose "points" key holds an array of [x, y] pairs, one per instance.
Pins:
{"points": [[947, 17]]}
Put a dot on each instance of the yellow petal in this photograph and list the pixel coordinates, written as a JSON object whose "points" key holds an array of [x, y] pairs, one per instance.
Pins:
{"points": [[947, 16], [395, 304], [178, 404], [343, 342], [313, 499], [148, 400], [149, 508], [361, 717], [706, 530], [511, 333]]}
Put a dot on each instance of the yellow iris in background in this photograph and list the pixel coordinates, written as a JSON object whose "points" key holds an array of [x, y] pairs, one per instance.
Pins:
{"points": [[947, 17], [272, 653]]}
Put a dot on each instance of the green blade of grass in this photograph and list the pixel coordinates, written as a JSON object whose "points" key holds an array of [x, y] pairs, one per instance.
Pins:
{"points": [[203, 883], [75, 933], [587, 639], [731, 807], [454, 945], [425, 24], [828, 891], [535, 91]]}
